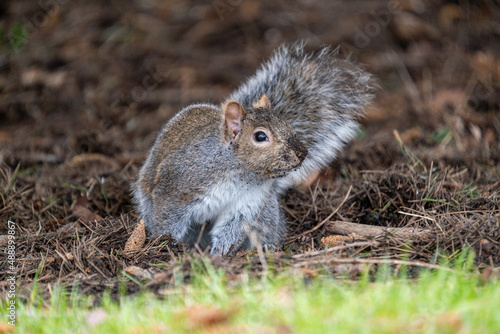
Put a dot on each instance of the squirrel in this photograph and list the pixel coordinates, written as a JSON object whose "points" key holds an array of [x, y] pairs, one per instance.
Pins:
{"points": [[214, 176]]}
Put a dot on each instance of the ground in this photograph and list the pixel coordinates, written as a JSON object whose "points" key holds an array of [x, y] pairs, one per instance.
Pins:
{"points": [[86, 85]]}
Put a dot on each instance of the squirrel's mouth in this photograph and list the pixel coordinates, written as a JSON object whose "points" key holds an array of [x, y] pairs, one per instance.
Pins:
{"points": [[277, 173]]}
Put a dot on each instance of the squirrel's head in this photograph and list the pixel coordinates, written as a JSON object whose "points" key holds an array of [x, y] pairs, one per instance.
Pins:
{"points": [[262, 142]]}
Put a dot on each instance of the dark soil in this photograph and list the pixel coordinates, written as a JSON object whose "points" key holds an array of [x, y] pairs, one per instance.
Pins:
{"points": [[85, 86]]}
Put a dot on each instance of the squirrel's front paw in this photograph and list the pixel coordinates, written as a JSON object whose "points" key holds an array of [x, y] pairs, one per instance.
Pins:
{"points": [[218, 251], [222, 248]]}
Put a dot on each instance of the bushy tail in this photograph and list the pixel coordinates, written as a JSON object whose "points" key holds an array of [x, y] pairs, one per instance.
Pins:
{"points": [[320, 95]]}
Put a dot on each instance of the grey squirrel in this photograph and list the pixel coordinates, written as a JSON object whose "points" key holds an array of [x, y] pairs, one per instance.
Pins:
{"points": [[215, 173]]}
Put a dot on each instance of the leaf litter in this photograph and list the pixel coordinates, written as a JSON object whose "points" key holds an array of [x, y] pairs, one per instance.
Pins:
{"points": [[421, 182]]}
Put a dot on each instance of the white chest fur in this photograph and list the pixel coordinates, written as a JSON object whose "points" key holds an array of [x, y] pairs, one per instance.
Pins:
{"points": [[230, 198]]}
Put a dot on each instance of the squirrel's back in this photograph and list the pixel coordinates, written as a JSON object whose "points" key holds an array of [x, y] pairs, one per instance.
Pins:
{"points": [[181, 147], [320, 95]]}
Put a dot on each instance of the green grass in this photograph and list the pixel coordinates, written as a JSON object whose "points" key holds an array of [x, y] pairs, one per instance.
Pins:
{"points": [[439, 301]]}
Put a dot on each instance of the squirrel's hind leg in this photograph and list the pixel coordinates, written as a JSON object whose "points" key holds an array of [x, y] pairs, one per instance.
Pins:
{"points": [[268, 230], [270, 227], [170, 218]]}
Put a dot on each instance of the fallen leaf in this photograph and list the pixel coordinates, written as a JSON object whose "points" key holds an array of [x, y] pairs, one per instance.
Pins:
{"points": [[203, 316], [4, 240], [490, 273], [355, 237], [283, 329], [412, 134], [250, 10], [334, 241], [35, 76], [159, 278], [309, 273], [486, 64], [485, 248], [448, 15], [447, 100], [450, 321], [6, 328], [5, 136], [138, 272], [409, 28], [137, 238], [350, 269], [102, 161], [80, 208], [96, 317]]}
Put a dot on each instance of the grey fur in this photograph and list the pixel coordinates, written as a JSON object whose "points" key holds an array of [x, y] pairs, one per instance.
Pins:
{"points": [[204, 184]]}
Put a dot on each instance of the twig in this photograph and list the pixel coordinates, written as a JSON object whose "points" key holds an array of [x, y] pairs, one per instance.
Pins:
{"points": [[334, 249], [370, 231], [415, 215]]}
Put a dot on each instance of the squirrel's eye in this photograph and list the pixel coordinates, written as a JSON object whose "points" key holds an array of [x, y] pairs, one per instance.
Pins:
{"points": [[260, 136]]}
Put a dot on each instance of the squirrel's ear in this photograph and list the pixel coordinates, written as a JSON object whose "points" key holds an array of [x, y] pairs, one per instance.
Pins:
{"points": [[234, 115], [263, 102]]}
